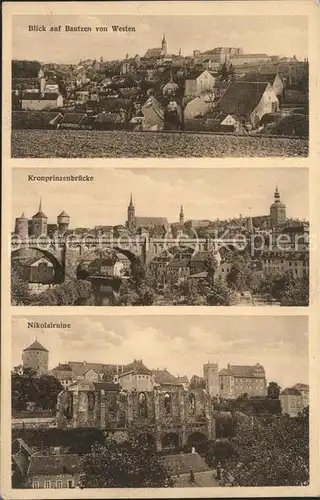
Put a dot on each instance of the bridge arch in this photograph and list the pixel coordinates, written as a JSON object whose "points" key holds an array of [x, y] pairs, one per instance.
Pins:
{"points": [[59, 270]]}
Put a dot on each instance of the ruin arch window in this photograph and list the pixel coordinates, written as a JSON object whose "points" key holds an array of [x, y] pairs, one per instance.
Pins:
{"points": [[192, 401], [91, 401], [142, 405], [69, 406], [167, 403]]}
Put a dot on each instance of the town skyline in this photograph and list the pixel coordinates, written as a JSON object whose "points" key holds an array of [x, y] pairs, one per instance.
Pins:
{"points": [[280, 343], [104, 201], [289, 36]]}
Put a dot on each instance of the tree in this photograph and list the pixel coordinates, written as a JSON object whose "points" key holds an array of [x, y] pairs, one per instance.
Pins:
{"points": [[71, 292], [226, 73], [270, 452], [20, 294], [132, 464], [29, 387], [273, 390], [197, 382], [211, 266], [218, 294]]}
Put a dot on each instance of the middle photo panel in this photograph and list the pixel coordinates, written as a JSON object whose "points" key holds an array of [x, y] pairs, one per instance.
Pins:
{"points": [[160, 237]]}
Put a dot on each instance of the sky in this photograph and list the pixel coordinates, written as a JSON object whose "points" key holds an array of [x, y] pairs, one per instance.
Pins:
{"points": [[274, 35], [279, 343], [205, 193]]}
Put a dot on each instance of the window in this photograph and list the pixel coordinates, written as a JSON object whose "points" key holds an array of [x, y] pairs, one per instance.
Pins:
{"points": [[91, 401], [59, 484], [142, 405], [192, 401], [47, 484], [167, 403], [35, 484]]}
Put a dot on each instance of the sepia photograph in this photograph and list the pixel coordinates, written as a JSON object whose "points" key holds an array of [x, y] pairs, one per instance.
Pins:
{"points": [[159, 402], [210, 237], [89, 86]]}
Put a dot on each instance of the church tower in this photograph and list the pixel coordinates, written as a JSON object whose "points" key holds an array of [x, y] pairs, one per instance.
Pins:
{"points": [[211, 378], [181, 217], [164, 46], [21, 226], [277, 211], [39, 223], [131, 217]]}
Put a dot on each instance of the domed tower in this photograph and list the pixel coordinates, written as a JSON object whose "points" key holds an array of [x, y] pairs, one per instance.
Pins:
{"points": [[277, 211], [63, 220], [36, 357], [131, 219], [164, 46], [39, 223], [181, 216], [21, 226]]}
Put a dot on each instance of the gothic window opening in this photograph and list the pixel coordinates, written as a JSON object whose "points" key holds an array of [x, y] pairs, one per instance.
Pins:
{"points": [[91, 401], [143, 408], [69, 407], [192, 401], [167, 403]]}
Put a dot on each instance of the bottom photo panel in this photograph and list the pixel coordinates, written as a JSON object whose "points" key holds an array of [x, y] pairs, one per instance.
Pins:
{"points": [[164, 401]]}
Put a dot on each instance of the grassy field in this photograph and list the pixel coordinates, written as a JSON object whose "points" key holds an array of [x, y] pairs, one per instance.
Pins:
{"points": [[119, 144]]}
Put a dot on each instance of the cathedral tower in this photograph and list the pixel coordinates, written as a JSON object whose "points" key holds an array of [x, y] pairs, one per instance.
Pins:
{"points": [[36, 357], [164, 46], [21, 226], [63, 220], [39, 223], [181, 217], [131, 217], [277, 211]]}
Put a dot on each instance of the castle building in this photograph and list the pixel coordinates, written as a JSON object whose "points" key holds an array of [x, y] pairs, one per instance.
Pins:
{"points": [[237, 380], [277, 211], [39, 223], [36, 357]]}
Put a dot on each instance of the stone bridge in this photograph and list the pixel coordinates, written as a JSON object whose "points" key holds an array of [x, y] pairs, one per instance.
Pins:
{"points": [[67, 254]]}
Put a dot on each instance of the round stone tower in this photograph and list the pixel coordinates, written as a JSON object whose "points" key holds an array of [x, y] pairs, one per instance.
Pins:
{"points": [[36, 357], [39, 223], [63, 222], [21, 226]]}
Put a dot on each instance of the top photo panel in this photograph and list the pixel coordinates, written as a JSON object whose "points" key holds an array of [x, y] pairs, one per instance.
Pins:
{"points": [[165, 86]]}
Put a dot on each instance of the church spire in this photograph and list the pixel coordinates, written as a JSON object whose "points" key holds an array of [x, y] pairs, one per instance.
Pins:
{"points": [[131, 202], [276, 194], [181, 217], [40, 204]]}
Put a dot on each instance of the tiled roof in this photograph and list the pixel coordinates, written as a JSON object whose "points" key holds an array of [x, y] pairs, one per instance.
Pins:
{"points": [[35, 346], [79, 368], [164, 377], [32, 96], [39, 215], [290, 391], [244, 371], [153, 53], [301, 387], [241, 98], [182, 463], [73, 118], [260, 77], [53, 464], [137, 367], [106, 386], [151, 221], [179, 263]]}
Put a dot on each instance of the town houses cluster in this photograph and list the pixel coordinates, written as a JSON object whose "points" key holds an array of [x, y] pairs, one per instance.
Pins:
{"points": [[221, 89]]}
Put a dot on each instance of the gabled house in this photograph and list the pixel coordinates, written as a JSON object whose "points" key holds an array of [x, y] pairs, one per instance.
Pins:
{"points": [[38, 101], [274, 79], [73, 120], [249, 101], [54, 471]]}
